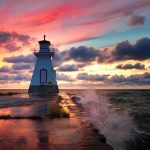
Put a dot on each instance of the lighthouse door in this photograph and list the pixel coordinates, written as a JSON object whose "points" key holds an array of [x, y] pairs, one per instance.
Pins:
{"points": [[43, 76]]}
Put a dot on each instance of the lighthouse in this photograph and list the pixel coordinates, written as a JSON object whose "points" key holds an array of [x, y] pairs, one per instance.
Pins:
{"points": [[44, 76]]}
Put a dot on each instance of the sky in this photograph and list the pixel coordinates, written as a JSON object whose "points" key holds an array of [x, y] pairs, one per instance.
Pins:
{"points": [[98, 43]]}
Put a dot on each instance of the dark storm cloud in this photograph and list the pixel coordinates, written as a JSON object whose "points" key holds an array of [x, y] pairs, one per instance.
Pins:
{"points": [[9, 40], [136, 20], [130, 66], [127, 51], [20, 59], [87, 77]]}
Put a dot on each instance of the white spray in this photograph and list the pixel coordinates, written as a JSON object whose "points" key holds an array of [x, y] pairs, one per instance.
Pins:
{"points": [[117, 126]]}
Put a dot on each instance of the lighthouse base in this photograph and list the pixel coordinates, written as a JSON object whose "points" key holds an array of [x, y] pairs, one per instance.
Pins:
{"points": [[43, 89]]}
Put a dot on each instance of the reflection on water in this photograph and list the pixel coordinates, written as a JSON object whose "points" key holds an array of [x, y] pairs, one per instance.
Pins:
{"points": [[46, 134], [36, 109], [27, 134], [36, 134], [113, 112]]}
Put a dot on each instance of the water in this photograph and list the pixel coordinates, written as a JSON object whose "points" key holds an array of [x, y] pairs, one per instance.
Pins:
{"points": [[49, 134], [123, 116]]}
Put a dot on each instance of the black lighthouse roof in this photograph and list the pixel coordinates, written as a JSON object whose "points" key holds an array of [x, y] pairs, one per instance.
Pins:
{"points": [[45, 41]]}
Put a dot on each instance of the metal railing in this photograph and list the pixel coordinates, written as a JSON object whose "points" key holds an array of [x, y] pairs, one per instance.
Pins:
{"points": [[50, 50]]}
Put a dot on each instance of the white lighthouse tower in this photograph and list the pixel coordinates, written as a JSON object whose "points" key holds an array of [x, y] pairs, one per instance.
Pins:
{"points": [[44, 76]]}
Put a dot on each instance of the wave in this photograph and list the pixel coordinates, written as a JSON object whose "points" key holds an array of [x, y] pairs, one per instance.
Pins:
{"points": [[117, 126]]}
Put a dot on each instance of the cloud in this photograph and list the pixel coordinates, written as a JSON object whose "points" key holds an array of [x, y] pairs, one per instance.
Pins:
{"points": [[16, 69], [5, 69], [12, 47], [45, 17], [123, 79], [6, 77], [136, 79], [121, 11], [68, 68], [58, 58], [127, 51], [17, 77], [95, 78], [20, 59], [74, 67], [80, 39], [67, 13], [70, 10], [22, 77], [9, 40], [136, 20], [123, 51], [8, 70], [63, 77], [62, 11], [130, 66], [83, 54], [22, 66]]}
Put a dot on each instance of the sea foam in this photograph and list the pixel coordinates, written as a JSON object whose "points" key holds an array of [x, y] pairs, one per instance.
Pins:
{"points": [[116, 125]]}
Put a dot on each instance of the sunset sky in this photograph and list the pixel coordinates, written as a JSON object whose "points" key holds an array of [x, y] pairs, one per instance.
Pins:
{"points": [[98, 43]]}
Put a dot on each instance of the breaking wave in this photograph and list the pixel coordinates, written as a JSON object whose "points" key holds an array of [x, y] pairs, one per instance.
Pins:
{"points": [[116, 125]]}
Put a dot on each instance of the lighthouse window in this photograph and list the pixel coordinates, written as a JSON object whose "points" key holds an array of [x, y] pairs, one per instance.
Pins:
{"points": [[43, 76]]}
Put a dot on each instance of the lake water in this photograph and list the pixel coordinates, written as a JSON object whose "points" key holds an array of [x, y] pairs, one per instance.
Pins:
{"points": [[123, 116]]}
